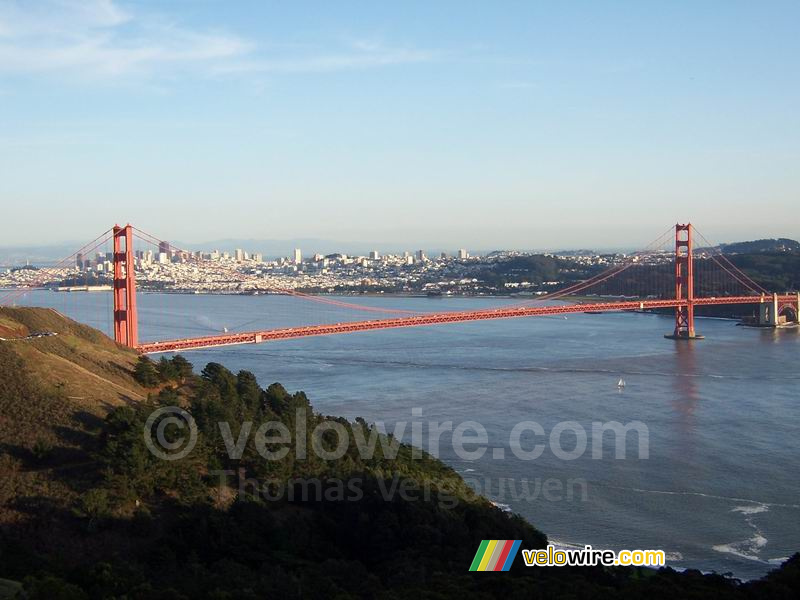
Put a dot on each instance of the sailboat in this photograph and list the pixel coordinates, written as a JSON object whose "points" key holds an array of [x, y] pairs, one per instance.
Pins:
{"points": [[621, 383]]}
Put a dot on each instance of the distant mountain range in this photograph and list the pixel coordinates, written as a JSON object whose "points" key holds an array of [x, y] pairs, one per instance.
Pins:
{"points": [[12, 256]]}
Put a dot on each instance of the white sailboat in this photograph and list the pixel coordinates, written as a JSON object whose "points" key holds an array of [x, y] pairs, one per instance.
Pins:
{"points": [[621, 383]]}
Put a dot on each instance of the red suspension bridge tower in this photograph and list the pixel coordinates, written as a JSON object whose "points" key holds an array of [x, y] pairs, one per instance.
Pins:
{"points": [[125, 317], [684, 284]]}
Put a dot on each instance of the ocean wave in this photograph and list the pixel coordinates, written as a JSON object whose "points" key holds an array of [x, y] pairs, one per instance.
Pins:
{"points": [[502, 506], [751, 547], [673, 556], [747, 549], [751, 510], [562, 545]]}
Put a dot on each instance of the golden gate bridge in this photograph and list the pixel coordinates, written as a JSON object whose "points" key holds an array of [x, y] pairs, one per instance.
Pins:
{"points": [[774, 309]]}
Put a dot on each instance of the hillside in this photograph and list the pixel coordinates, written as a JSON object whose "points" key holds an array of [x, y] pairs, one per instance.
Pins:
{"points": [[54, 393], [88, 511], [765, 245], [77, 372]]}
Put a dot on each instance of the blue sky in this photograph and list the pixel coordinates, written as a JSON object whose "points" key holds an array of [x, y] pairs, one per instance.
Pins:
{"points": [[485, 125]]}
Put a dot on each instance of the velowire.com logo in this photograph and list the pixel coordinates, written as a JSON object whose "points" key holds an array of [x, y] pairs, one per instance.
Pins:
{"points": [[495, 555]]}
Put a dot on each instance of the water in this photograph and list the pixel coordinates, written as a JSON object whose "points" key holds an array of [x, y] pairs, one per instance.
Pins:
{"points": [[718, 491]]}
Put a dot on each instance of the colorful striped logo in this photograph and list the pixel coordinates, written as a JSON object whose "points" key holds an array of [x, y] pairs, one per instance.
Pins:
{"points": [[495, 555]]}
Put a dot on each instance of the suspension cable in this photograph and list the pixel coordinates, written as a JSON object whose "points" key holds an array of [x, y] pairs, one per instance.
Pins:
{"points": [[752, 285], [603, 276], [16, 292]]}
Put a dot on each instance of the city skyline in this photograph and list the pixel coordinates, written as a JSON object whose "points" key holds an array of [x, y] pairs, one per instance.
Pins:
{"points": [[523, 127], [11, 256]]}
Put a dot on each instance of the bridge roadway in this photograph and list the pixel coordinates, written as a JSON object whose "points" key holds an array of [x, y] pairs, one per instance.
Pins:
{"points": [[255, 337]]}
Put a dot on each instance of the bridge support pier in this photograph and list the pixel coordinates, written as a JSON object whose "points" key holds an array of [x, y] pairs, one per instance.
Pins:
{"points": [[773, 313], [768, 312], [684, 285]]}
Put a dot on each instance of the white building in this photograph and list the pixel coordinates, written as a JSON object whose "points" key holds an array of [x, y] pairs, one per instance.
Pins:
{"points": [[462, 254], [374, 255], [298, 256]]}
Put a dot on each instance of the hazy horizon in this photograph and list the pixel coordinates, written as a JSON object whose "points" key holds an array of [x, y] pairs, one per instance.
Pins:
{"points": [[440, 125], [273, 248]]}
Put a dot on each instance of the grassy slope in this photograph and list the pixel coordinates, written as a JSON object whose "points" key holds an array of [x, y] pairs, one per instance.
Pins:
{"points": [[54, 391], [81, 360]]}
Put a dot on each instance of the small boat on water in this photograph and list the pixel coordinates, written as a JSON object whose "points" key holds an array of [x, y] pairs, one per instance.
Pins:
{"points": [[621, 383]]}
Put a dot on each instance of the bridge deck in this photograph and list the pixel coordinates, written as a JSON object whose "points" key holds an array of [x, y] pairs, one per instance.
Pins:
{"points": [[255, 337]]}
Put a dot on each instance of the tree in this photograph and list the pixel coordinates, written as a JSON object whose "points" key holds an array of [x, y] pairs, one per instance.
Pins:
{"points": [[248, 390], [145, 372], [277, 398], [222, 379], [166, 370], [183, 366]]}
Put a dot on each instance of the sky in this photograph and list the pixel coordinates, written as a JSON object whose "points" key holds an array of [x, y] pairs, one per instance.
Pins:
{"points": [[448, 124]]}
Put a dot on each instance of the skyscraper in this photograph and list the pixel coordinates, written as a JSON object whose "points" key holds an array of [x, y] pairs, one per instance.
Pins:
{"points": [[298, 256]]}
